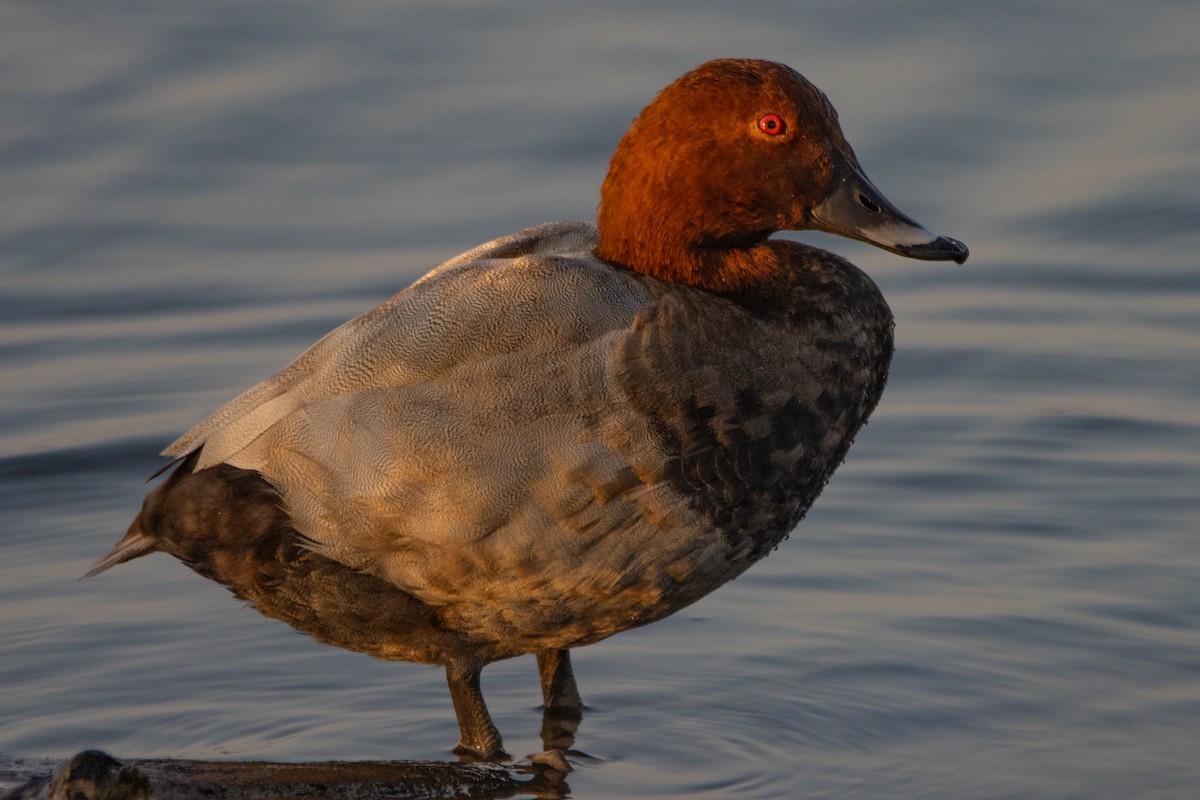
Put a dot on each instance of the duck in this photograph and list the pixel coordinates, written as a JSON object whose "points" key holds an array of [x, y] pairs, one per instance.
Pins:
{"points": [[570, 431]]}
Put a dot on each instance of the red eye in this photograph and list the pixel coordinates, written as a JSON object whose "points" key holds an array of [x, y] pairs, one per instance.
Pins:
{"points": [[771, 124]]}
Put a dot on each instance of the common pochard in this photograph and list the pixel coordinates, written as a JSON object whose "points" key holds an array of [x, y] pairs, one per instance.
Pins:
{"points": [[570, 431]]}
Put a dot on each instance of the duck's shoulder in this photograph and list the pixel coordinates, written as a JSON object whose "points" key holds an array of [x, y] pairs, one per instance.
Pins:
{"points": [[537, 279], [534, 288], [560, 239]]}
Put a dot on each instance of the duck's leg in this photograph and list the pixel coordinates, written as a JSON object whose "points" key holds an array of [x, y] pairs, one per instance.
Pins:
{"points": [[563, 707], [559, 691], [479, 738]]}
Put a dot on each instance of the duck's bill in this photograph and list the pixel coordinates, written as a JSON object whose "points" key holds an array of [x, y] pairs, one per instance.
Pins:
{"points": [[857, 210]]}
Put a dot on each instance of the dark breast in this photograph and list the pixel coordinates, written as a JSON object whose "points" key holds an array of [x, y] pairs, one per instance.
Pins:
{"points": [[759, 408]]}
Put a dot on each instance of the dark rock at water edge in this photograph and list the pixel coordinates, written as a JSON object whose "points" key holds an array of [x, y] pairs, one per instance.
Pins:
{"points": [[93, 775]]}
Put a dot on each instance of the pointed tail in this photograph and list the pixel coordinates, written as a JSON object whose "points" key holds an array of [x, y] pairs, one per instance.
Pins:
{"points": [[135, 543]]}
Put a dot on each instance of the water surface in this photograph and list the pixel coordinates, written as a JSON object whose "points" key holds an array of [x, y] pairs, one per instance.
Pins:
{"points": [[995, 597]]}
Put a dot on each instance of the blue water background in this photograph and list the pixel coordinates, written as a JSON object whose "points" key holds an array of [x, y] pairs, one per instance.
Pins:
{"points": [[998, 596]]}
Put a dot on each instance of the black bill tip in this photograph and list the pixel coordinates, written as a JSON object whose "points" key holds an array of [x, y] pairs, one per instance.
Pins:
{"points": [[942, 248]]}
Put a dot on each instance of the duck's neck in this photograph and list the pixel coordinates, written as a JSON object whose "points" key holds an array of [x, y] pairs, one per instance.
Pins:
{"points": [[724, 266]]}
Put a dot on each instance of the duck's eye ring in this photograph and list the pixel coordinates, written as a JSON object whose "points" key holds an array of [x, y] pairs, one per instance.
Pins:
{"points": [[771, 124]]}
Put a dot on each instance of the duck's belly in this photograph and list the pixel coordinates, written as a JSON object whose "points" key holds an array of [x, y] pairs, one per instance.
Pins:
{"points": [[487, 602]]}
